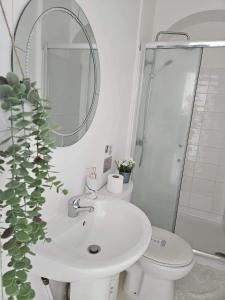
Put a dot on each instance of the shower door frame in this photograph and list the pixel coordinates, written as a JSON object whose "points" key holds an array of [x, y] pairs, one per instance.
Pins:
{"points": [[171, 45]]}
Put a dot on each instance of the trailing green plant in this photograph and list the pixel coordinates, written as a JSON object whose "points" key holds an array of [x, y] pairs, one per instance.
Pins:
{"points": [[26, 155]]}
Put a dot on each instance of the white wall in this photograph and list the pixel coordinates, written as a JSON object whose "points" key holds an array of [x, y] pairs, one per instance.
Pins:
{"points": [[147, 20], [145, 34], [169, 12], [115, 24]]}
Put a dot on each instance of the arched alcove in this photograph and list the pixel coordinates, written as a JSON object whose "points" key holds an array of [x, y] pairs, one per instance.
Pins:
{"points": [[205, 25]]}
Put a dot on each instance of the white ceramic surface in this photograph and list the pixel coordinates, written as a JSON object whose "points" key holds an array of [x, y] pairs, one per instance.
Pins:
{"points": [[168, 249], [121, 230], [168, 258]]}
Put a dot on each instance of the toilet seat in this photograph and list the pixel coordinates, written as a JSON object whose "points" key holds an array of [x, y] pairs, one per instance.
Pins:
{"points": [[168, 249]]}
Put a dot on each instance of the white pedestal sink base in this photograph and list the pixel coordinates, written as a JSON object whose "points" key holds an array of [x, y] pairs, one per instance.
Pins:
{"points": [[95, 289], [155, 289]]}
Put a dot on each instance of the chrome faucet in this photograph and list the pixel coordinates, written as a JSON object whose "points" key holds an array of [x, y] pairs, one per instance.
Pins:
{"points": [[74, 207]]}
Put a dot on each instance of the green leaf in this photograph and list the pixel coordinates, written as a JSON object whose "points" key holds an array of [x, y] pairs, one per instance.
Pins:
{"points": [[38, 115], [12, 79], [22, 236], [21, 187], [20, 88], [16, 253], [21, 226], [2, 195], [11, 219], [27, 113], [58, 187], [10, 244], [39, 122], [29, 179], [23, 221], [7, 282], [8, 194], [33, 96], [12, 290], [33, 213], [21, 275], [12, 184], [65, 192], [28, 228], [52, 178], [5, 105], [27, 165], [44, 150], [13, 201], [27, 83], [25, 249], [14, 101], [30, 296], [24, 290], [22, 123], [27, 262], [5, 91], [13, 149], [19, 265], [23, 172], [9, 276]]}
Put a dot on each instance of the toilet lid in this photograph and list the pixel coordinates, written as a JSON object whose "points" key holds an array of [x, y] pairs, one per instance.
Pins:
{"points": [[168, 248]]}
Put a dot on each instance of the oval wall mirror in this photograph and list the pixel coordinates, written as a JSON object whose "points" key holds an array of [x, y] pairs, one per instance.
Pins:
{"points": [[57, 48]]}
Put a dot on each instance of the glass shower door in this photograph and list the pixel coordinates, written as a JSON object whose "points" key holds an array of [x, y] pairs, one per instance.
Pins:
{"points": [[168, 90]]}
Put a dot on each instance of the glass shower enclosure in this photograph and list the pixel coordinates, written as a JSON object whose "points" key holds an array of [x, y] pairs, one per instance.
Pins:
{"points": [[169, 82]]}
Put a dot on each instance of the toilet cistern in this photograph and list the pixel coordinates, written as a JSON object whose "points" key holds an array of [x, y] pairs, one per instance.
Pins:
{"points": [[74, 207]]}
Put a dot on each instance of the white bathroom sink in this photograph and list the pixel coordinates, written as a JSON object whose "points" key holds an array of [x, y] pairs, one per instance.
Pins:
{"points": [[120, 229]]}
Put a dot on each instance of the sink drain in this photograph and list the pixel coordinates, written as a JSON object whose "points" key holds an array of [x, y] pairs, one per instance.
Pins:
{"points": [[94, 249]]}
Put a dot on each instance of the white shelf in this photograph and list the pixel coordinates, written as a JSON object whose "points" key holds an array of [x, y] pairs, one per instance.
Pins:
{"points": [[127, 190]]}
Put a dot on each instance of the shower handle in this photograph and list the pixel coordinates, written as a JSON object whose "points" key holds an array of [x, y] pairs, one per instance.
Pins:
{"points": [[139, 142]]}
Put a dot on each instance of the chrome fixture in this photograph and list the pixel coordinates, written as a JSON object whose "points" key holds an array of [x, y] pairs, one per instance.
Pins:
{"points": [[173, 33], [94, 249], [184, 44], [74, 207]]}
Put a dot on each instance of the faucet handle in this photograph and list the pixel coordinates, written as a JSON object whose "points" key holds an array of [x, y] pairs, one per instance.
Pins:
{"points": [[76, 202], [73, 203]]}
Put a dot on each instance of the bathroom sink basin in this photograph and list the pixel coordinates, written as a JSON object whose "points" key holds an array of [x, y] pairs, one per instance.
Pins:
{"points": [[119, 231]]}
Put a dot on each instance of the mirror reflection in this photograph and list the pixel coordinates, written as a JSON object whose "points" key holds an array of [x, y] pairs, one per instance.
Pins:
{"points": [[57, 48]]}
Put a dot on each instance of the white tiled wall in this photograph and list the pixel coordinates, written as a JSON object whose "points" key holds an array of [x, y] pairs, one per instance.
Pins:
{"points": [[203, 184]]}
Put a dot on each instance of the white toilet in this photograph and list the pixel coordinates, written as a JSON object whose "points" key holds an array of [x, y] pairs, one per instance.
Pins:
{"points": [[168, 258]]}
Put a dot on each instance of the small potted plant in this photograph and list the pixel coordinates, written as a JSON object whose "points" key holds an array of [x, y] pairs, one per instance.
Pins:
{"points": [[125, 168]]}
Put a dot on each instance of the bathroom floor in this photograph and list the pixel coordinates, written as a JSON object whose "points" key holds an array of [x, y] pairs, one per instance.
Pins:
{"points": [[203, 283]]}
